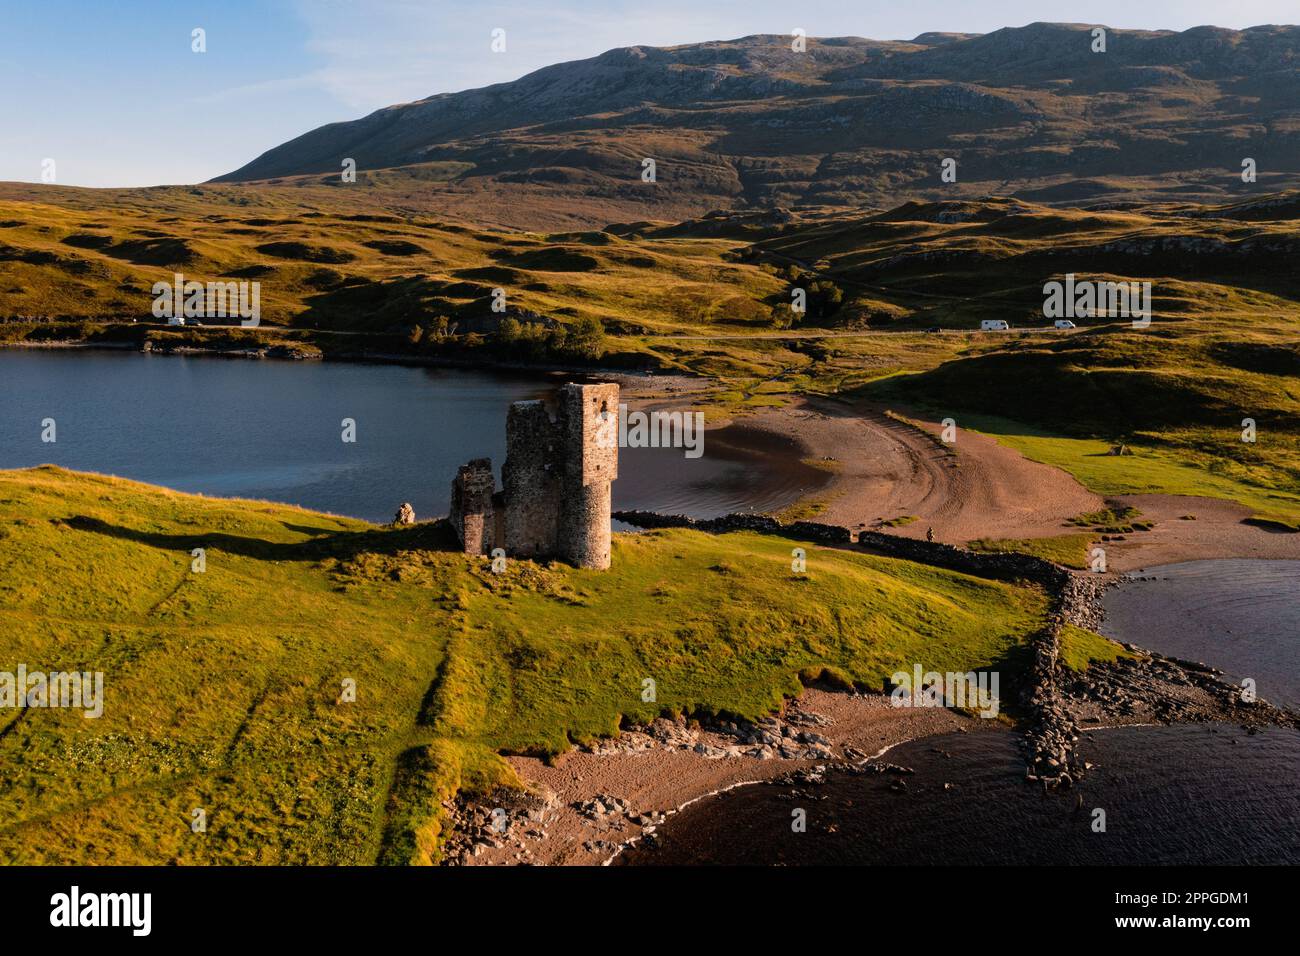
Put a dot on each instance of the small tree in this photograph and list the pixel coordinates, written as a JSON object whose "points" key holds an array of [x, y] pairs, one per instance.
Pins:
{"points": [[584, 338], [824, 298], [507, 335], [783, 316]]}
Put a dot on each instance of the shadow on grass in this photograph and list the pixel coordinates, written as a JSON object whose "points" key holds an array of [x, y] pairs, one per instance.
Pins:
{"points": [[428, 536], [309, 530], [1015, 668]]}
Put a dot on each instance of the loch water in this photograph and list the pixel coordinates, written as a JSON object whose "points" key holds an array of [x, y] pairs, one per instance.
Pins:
{"points": [[272, 430]]}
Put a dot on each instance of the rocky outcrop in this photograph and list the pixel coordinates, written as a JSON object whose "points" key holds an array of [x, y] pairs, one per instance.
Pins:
{"points": [[501, 818], [792, 737], [1144, 688]]}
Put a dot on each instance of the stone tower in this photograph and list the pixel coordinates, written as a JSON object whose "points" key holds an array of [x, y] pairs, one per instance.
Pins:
{"points": [[555, 498], [529, 479], [588, 435]]}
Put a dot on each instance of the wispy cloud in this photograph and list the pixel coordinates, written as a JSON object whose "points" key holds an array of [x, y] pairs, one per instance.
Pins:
{"points": [[389, 51], [306, 81]]}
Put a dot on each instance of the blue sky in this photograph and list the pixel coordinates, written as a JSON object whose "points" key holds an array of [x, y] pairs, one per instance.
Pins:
{"points": [[113, 93]]}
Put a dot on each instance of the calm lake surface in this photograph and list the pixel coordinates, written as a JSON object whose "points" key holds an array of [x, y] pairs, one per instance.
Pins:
{"points": [[268, 429], [1192, 794], [1242, 616]]}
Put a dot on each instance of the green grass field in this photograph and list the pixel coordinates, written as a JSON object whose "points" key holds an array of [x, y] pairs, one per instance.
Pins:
{"points": [[222, 688], [1080, 648], [1067, 550]]}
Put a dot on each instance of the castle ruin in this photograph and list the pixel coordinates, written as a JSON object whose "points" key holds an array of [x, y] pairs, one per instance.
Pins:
{"points": [[555, 497]]}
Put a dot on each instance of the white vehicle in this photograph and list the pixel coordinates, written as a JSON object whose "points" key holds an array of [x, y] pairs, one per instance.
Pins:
{"points": [[176, 320], [1064, 324], [994, 325]]}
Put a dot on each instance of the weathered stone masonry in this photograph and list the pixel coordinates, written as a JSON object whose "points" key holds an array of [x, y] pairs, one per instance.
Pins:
{"points": [[555, 498], [472, 509]]}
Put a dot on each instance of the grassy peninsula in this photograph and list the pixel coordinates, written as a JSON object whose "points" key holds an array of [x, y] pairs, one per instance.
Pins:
{"points": [[222, 688]]}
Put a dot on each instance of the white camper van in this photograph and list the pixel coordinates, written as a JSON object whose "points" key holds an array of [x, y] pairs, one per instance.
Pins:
{"points": [[1064, 324], [176, 320], [994, 325]]}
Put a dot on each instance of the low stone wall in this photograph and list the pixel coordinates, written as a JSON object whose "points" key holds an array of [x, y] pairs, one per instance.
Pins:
{"points": [[816, 531], [1002, 566], [763, 524], [1049, 742]]}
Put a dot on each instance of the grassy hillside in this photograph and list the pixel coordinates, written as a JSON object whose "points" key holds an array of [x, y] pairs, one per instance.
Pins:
{"points": [[222, 688], [1221, 346], [350, 263], [953, 263]]}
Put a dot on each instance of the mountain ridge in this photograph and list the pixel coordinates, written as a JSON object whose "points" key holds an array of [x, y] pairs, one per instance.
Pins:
{"points": [[1030, 111]]}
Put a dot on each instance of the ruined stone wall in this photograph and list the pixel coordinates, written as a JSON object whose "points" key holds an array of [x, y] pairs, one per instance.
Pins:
{"points": [[555, 498], [530, 479], [588, 428], [472, 510]]}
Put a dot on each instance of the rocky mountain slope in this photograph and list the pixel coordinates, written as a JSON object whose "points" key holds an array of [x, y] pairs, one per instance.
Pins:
{"points": [[1031, 112]]}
